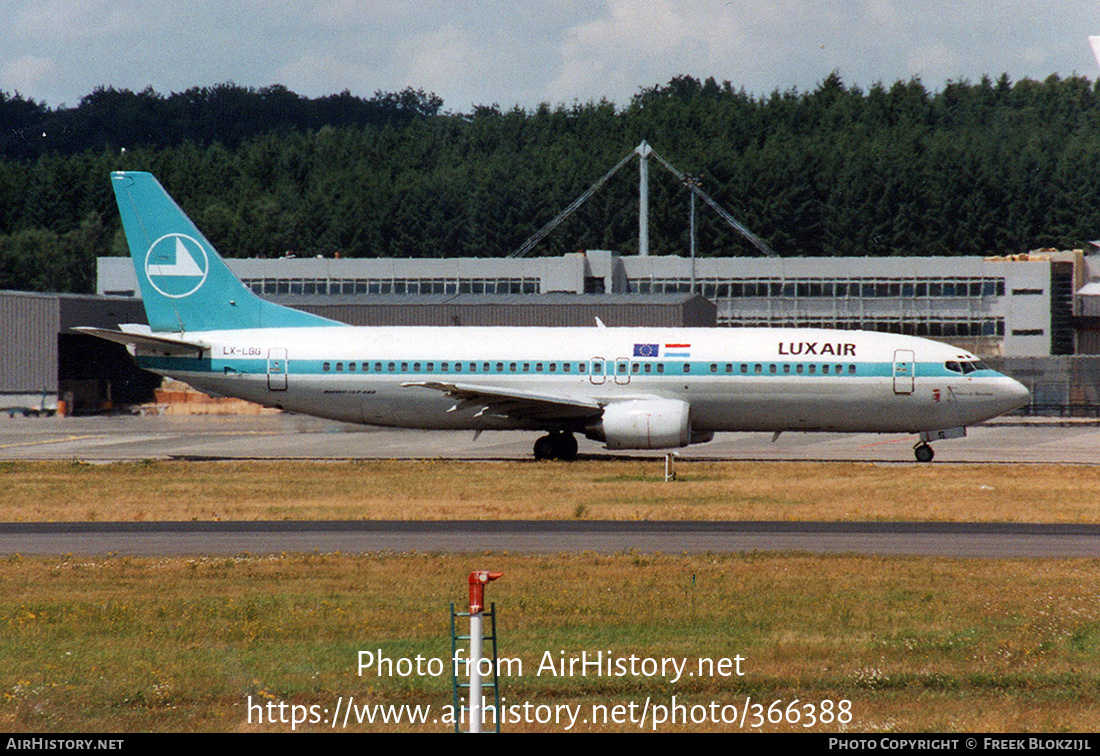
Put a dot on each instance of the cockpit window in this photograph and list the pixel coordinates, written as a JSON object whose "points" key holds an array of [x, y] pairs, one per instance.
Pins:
{"points": [[966, 367]]}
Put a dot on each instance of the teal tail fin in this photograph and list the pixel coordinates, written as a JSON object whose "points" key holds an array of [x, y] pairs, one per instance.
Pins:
{"points": [[184, 283]]}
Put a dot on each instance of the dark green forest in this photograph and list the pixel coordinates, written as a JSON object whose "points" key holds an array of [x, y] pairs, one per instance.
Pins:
{"points": [[992, 167]]}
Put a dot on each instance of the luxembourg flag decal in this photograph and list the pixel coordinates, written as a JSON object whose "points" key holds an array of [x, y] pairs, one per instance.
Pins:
{"points": [[677, 350]]}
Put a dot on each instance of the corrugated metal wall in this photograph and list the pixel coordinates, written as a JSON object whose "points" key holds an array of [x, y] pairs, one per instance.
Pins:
{"points": [[1062, 385], [29, 324]]}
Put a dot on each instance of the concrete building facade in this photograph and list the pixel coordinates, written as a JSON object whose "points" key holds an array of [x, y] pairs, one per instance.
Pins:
{"points": [[1018, 306]]}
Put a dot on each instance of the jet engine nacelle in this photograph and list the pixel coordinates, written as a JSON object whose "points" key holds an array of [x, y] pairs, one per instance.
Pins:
{"points": [[644, 424]]}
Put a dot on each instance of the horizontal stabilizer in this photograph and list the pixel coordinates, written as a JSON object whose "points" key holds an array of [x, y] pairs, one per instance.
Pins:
{"points": [[147, 343]]}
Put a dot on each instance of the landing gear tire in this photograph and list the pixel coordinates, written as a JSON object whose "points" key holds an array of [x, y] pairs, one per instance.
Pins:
{"points": [[923, 452], [557, 445]]}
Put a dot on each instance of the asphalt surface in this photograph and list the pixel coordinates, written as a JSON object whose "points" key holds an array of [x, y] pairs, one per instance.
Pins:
{"points": [[961, 540], [113, 438], [280, 436]]}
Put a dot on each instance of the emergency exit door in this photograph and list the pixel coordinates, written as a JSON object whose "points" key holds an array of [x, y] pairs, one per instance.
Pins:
{"points": [[276, 369], [903, 371]]}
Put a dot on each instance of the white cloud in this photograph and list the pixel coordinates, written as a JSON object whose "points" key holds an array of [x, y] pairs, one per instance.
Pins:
{"points": [[443, 58], [53, 21], [635, 43], [530, 51], [1035, 56], [26, 74], [933, 63], [324, 74]]}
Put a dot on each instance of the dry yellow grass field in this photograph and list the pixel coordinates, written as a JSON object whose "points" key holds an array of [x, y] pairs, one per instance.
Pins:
{"points": [[114, 644], [117, 644], [611, 490]]}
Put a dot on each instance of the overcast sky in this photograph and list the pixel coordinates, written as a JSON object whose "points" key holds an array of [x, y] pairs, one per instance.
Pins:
{"points": [[530, 51]]}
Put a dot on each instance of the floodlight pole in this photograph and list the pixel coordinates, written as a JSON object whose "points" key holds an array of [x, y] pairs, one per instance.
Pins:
{"points": [[478, 580], [692, 184], [643, 151]]}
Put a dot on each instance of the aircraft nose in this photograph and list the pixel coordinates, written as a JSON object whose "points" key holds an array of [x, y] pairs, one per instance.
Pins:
{"points": [[1012, 394]]}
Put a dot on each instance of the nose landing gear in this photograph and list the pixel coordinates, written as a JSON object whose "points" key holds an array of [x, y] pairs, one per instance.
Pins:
{"points": [[924, 452], [558, 445]]}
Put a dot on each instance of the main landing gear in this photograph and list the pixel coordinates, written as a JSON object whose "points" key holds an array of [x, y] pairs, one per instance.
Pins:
{"points": [[923, 452], [558, 445]]}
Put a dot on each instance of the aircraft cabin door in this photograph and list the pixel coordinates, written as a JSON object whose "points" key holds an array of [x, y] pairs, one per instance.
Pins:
{"points": [[903, 371], [596, 370], [622, 370], [276, 369]]}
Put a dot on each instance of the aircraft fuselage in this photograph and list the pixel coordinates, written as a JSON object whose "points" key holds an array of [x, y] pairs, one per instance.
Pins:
{"points": [[733, 379]]}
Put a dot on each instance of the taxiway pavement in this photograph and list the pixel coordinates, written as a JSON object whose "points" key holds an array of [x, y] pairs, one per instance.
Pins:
{"points": [[126, 437]]}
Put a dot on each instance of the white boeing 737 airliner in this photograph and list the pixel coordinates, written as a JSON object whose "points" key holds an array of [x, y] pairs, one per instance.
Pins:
{"points": [[631, 388]]}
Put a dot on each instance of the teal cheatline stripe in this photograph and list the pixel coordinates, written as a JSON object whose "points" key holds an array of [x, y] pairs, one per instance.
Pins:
{"points": [[184, 284], [419, 366]]}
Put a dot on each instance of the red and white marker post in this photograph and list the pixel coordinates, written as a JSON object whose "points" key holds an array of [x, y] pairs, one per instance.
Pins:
{"points": [[478, 580]]}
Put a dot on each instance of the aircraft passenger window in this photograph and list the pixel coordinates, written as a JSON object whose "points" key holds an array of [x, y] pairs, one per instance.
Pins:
{"points": [[786, 368], [485, 367], [326, 367], [378, 367], [430, 367], [649, 367], [567, 367], [825, 369], [512, 367], [458, 367], [714, 367], [339, 367], [813, 369], [581, 368], [798, 369], [729, 367], [351, 366], [839, 369], [744, 368], [500, 367], [404, 367], [622, 368], [637, 367], [538, 367], [772, 369], [553, 367], [392, 366], [527, 367], [660, 367], [851, 370], [687, 367], [759, 369], [366, 367], [444, 366]]}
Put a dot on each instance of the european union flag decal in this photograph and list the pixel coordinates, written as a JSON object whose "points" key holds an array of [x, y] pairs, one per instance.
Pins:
{"points": [[646, 350]]}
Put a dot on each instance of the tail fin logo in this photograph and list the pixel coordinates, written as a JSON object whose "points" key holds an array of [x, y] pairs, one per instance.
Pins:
{"points": [[176, 265]]}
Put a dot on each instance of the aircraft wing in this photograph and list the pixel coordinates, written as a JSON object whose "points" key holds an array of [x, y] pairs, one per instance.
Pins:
{"points": [[147, 342], [521, 405]]}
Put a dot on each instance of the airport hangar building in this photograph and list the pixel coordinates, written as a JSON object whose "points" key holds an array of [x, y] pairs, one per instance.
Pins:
{"points": [[1035, 316]]}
